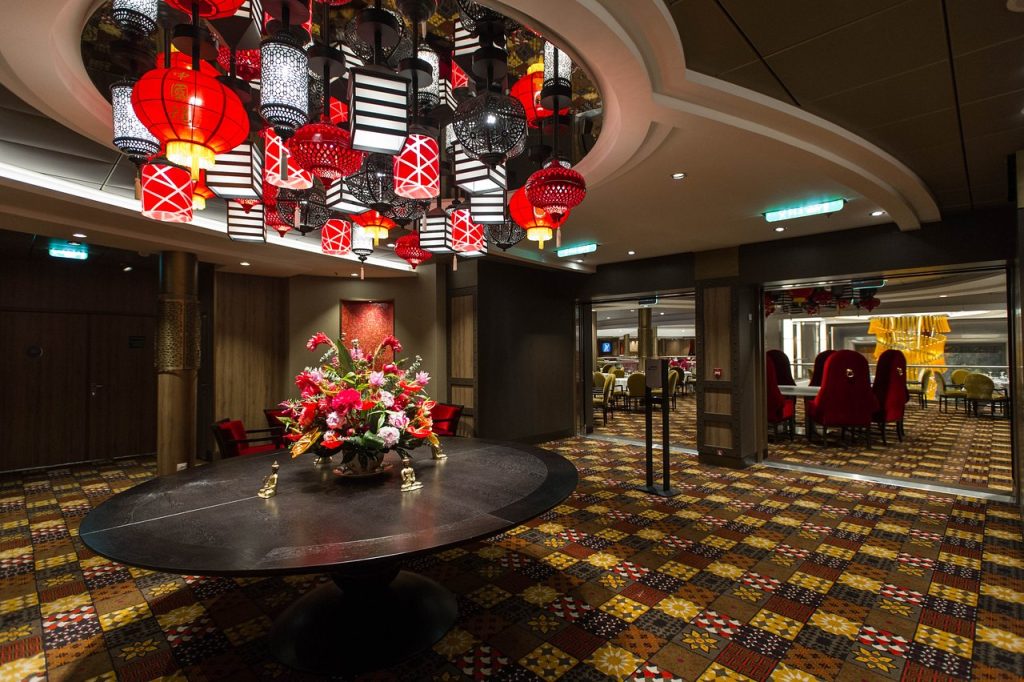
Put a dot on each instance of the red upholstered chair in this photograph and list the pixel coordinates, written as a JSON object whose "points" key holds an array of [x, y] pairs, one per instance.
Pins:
{"points": [[819, 367], [233, 440], [273, 416], [845, 399], [780, 410], [783, 368], [891, 391], [446, 419]]}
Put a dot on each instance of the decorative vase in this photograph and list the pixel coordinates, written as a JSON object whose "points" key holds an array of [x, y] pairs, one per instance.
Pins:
{"points": [[321, 458], [358, 463]]}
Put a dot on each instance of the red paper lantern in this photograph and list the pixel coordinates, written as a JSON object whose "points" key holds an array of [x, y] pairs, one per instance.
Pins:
{"points": [[200, 193], [192, 114], [181, 60], [336, 237], [408, 249], [338, 111], [247, 62], [325, 150], [417, 168], [527, 91], [540, 225], [556, 188], [374, 224], [208, 9], [277, 158], [467, 236], [166, 192]]}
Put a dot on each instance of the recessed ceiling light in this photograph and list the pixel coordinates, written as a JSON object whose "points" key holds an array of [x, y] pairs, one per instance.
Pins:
{"points": [[79, 235], [354, 274], [579, 260], [244, 264], [780, 228], [126, 268], [679, 176], [943, 295], [75, 243], [631, 253], [875, 214], [631, 310], [661, 313], [391, 245]]}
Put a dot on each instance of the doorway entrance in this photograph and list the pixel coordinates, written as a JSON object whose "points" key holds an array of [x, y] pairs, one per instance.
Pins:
{"points": [[949, 427]]}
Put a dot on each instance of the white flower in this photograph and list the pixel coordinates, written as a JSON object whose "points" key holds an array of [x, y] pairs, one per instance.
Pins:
{"points": [[398, 419], [389, 434], [387, 399], [333, 420]]}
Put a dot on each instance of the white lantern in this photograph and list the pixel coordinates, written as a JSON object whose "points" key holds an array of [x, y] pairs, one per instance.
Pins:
{"points": [[378, 110]]}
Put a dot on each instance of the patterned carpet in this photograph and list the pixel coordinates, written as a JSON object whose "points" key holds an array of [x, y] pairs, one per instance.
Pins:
{"points": [[947, 448], [759, 574]]}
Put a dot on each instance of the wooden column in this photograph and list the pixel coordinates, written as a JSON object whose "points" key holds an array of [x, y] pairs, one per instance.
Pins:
{"points": [[646, 346], [177, 361], [1017, 339], [730, 384]]}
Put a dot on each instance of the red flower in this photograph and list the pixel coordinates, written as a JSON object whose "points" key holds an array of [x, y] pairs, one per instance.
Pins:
{"points": [[391, 342], [330, 441], [346, 400], [368, 404], [308, 415], [307, 386], [317, 340], [409, 388], [390, 368]]}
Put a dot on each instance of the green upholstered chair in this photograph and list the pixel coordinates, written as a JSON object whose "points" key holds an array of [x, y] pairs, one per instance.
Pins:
{"points": [[604, 399], [636, 385], [957, 378], [944, 393], [619, 372], [919, 389], [673, 381]]}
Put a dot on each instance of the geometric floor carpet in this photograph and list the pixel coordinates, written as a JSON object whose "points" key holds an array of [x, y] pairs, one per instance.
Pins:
{"points": [[761, 574], [944, 448]]}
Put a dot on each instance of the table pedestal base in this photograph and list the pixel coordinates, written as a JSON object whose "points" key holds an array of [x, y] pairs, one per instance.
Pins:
{"points": [[361, 622]]}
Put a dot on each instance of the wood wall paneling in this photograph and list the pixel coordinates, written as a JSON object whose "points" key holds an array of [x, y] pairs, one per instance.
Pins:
{"points": [[718, 401], [249, 354], [462, 359], [717, 336]]}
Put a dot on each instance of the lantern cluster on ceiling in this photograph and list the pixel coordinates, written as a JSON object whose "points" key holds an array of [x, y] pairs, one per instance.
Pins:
{"points": [[264, 129]]}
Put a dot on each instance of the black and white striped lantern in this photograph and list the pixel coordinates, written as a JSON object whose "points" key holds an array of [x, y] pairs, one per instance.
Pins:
{"points": [[237, 174], [476, 177], [378, 110], [245, 223]]}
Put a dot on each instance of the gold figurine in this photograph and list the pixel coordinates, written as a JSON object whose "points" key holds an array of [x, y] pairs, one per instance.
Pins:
{"points": [[409, 481], [435, 447], [269, 487]]}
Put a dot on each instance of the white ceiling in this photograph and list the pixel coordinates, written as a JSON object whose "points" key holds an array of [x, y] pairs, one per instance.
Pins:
{"points": [[744, 152]]}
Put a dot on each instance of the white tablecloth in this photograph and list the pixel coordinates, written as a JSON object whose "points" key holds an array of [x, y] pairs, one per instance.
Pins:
{"points": [[799, 391]]}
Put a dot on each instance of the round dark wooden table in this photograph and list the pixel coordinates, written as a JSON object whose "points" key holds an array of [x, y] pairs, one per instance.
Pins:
{"points": [[209, 521]]}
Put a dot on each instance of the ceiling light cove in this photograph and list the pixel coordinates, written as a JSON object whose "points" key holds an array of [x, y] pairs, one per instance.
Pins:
{"points": [[830, 206], [577, 250]]}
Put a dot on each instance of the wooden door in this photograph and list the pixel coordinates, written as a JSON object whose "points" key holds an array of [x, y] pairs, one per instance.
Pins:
{"points": [[122, 386], [43, 389]]}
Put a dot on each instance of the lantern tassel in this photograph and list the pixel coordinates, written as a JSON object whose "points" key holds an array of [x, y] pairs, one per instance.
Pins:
{"points": [[455, 263], [540, 245], [558, 239], [362, 273]]}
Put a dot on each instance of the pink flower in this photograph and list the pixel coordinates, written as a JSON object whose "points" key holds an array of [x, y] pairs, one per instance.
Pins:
{"points": [[357, 354], [391, 342], [390, 368], [317, 340], [346, 400], [376, 379], [398, 419], [307, 384], [422, 378], [387, 399], [389, 435]]}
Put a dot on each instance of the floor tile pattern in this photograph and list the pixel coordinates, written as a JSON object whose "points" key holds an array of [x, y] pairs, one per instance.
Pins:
{"points": [[759, 574]]}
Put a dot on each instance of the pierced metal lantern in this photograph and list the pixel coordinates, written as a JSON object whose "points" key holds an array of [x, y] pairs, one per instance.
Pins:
{"points": [[378, 110], [556, 188], [557, 91], [284, 83], [504, 235], [325, 150], [407, 247], [362, 245], [208, 9], [489, 126], [429, 94], [374, 183], [245, 223], [135, 16], [336, 237], [130, 136], [305, 210], [406, 210], [395, 44]]}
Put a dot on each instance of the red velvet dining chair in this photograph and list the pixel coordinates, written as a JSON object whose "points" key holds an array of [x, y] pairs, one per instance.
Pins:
{"points": [[783, 367], [446, 419], [845, 398], [780, 410], [233, 440], [890, 390], [819, 367], [273, 416]]}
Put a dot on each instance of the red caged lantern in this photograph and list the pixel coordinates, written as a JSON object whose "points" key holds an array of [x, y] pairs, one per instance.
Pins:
{"points": [[527, 90], [166, 192], [556, 188], [208, 9], [336, 237], [192, 114], [467, 236], [540, 225], [325, 150], [408, 249], [277, 159], [417, 168]]}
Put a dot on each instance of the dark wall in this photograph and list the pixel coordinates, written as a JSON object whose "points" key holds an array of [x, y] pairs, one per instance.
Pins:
{"points": [[645, 276], [967, 239], [526, 352]]}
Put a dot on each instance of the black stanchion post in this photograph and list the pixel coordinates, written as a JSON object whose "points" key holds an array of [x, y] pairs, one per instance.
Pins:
{"points": [[649, 421], [656, 371], [664, 427]]}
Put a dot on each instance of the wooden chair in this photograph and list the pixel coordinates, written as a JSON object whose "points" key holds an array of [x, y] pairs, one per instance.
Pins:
{"points": [[234, 440]]}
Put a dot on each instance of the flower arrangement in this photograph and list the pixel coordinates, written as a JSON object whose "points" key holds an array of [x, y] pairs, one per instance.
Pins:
{"points": [[358, 403]]}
